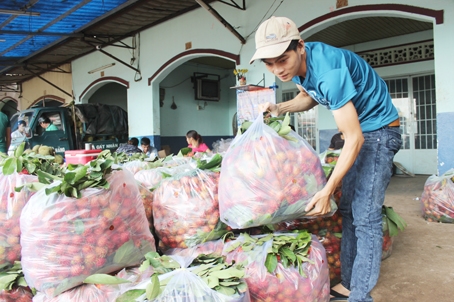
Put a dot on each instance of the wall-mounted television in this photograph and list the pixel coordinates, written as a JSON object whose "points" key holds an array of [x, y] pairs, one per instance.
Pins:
{"points": [[207, 87]]}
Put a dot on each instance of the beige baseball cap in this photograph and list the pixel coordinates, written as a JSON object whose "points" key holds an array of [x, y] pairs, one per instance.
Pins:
{"points": [[273, 37]]}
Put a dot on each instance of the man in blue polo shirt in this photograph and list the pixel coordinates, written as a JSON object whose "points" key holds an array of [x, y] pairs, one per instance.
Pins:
{"points": [[359, 100]]}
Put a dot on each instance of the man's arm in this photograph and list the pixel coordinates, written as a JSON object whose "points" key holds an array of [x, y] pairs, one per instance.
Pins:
{"points": [[8, 137], [348, 123], [301, 102]]}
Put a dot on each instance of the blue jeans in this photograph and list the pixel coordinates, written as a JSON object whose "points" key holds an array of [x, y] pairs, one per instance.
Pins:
{"points": [[363, 194]]}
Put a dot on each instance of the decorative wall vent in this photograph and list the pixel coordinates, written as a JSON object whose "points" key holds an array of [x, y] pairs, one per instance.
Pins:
{"points": [[420, 51]]}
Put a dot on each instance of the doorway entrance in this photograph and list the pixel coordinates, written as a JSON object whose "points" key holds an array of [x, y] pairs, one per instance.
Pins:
{"points": [[414, 98]]}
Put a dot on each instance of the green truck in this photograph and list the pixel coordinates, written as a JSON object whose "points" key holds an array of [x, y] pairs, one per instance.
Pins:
{"points": [[103, 126]]}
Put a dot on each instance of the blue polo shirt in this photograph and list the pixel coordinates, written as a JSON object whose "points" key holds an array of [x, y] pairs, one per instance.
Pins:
{"points": [[335, 76]]}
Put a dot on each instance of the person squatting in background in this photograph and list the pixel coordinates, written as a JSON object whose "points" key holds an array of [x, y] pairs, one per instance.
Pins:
{"points": [[145, 145], [195, 142]]}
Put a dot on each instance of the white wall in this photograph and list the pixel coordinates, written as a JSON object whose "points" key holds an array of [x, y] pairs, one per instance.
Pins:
{"points": [[212, 119]]}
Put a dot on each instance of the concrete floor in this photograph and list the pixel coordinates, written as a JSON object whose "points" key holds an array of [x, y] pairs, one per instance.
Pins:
{"points": [[421, 266]]}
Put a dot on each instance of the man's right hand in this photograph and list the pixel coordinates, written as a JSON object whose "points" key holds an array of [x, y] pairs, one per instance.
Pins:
{"points": [[273, 109]]}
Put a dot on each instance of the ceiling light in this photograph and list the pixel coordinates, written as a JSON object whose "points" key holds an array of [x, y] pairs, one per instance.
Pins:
{"points": [[18, 12], [101, 68]]}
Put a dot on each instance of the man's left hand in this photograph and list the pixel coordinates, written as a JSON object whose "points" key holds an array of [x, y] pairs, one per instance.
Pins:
{"points": [[319, 205]]}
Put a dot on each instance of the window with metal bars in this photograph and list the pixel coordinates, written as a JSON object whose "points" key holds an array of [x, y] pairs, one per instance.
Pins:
{"points": [[421, 91], [304, 122]]}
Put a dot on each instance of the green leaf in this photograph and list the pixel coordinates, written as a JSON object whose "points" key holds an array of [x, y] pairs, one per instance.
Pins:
{"points": [[288, 253], [225, 290], [19, 164], [271, 263], [52, 189], [242, 287], [201, 268], [212, 281], [284, 260], [123, 254], [7, 281], [393, 216], [21, 282], [229, 283], [130, 295], [153, 288], [19, 150], [338, 235], [185, 151], [31, 167], [245, 125], [393, 229], [228, 273], [144, 266], [79, 226], [105, 279], [9, 166], [233, 246]]}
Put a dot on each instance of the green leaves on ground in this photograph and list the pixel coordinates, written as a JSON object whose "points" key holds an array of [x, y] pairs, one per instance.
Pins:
{"points": [[393, 220]]}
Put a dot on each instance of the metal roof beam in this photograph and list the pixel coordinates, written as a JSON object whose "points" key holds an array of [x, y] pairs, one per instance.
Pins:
{"points": [[18, 12], [36, 33], [47, 68], [7, 88], [215, 14], [98, 48], [234, 4], [48, 82], [111, 40]]}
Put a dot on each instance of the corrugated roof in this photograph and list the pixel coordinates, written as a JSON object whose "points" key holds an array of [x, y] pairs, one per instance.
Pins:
{"points": [[38, 35], [44, 23]]}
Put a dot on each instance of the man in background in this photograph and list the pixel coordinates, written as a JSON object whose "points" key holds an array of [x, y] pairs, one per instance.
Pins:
{"points": [[45, 122], [5, 132], [131, 147], [149, 150], [20, 132]]}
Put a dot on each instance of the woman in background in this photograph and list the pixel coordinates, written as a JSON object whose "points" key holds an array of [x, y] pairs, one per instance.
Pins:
{"points": [[195, 142]]}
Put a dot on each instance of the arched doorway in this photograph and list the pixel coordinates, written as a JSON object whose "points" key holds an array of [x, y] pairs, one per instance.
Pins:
{"points": [[8, 106], [180, 110], [107, 90], [111, 94], [48, 101]]}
